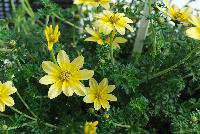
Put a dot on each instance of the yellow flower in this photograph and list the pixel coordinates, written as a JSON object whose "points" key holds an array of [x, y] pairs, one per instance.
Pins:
{"points": [[175, 13], [65, 76], [99, 94], [109, 21], [96, 37], [95, 3], [51, 35], [90, 127], [194, 32], [6, 89]]}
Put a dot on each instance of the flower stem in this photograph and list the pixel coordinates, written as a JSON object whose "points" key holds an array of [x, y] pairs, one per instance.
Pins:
{"points": [[111, 49], [26, 105], [53, 56], [32, 118]]}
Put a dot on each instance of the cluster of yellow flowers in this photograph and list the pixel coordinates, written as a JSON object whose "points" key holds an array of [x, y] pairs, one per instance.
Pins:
{"points": [[183, 15]]}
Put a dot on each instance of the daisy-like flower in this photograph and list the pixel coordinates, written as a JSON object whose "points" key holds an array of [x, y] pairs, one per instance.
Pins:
{"points": [[65, 76], [109, 21], [95, 3], [194, 32], [96, 37], [51, 35], [99, 94], [90, 127], [175, 13], [6, 89]]}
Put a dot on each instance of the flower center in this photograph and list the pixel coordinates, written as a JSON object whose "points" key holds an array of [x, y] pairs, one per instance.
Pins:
{"points": [[51, 38], [113, 19], [65, 75], [98, 95], [179, 16]]}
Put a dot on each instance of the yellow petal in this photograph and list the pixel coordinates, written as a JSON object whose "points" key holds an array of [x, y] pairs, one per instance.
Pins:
{"points": [[91, 32], [129, 28], [120, 40], [92, 39], [77, 63], [97, 104], [67, 89], [48, 79], [63, 59], [105, 104], [103, 84], [110, 88], [120, 29], [79, 88], [2, 106], [9, 88], [187, 10], [55, 90], [56, 30], [195, 21], [8, 100], [89, 98], [111, 97], [83, 74], [193, 32], [93, 83], [106, 5], [51, 68]]}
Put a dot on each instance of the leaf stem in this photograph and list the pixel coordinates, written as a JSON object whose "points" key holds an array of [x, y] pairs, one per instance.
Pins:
{"points": [[26, 105], [53, 56], [111, 49]]}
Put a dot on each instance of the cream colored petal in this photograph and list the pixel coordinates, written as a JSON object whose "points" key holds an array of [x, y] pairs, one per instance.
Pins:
{"points": [[120, 29], [193, 32], [79, 88], [93, 83], [63, 59], [55, 90], [110, 88], [129, 28], [111, 97], [2, 107], [77, 63], [92, 39], [51, 68], [120, 40], [48, 79], [105, 104], [91, 32], [89, 98], [187, 10], [7, 100], [9, 88], [97, 104], [105, 5], [67, 89], [195, 21], [103, 84], [83, 74]]}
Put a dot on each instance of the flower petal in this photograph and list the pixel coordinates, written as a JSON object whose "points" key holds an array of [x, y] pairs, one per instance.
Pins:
{"points": [[110, 88], [2, 106], [48, 79], [79, 88], [105, 104], [63, 59], [93, 83], [8, 100], [89, 98], [97, 104], [111, 97], [83, 74], [67, 89], [193, 32], [77, 63], [103, 84], [9, 88], [55, 90], [50, 68]]}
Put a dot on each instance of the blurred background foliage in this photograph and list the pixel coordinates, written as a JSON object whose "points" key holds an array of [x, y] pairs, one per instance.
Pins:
{"points": [[158, 91]]}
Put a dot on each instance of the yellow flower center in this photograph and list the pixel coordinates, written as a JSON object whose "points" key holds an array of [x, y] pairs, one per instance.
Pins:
{"points": [[179, 16], [113, 19], [98, 95], [52, 38], [65, 75]]}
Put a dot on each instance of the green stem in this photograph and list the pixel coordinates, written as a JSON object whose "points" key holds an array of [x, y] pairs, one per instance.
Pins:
{"points": [[13, 6], [172, 67], [25, 115], [120, 125], [26, 105], [47, 20], [34, 119], [111, 49], [53, 56], [23, 125], [67, 22]]}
